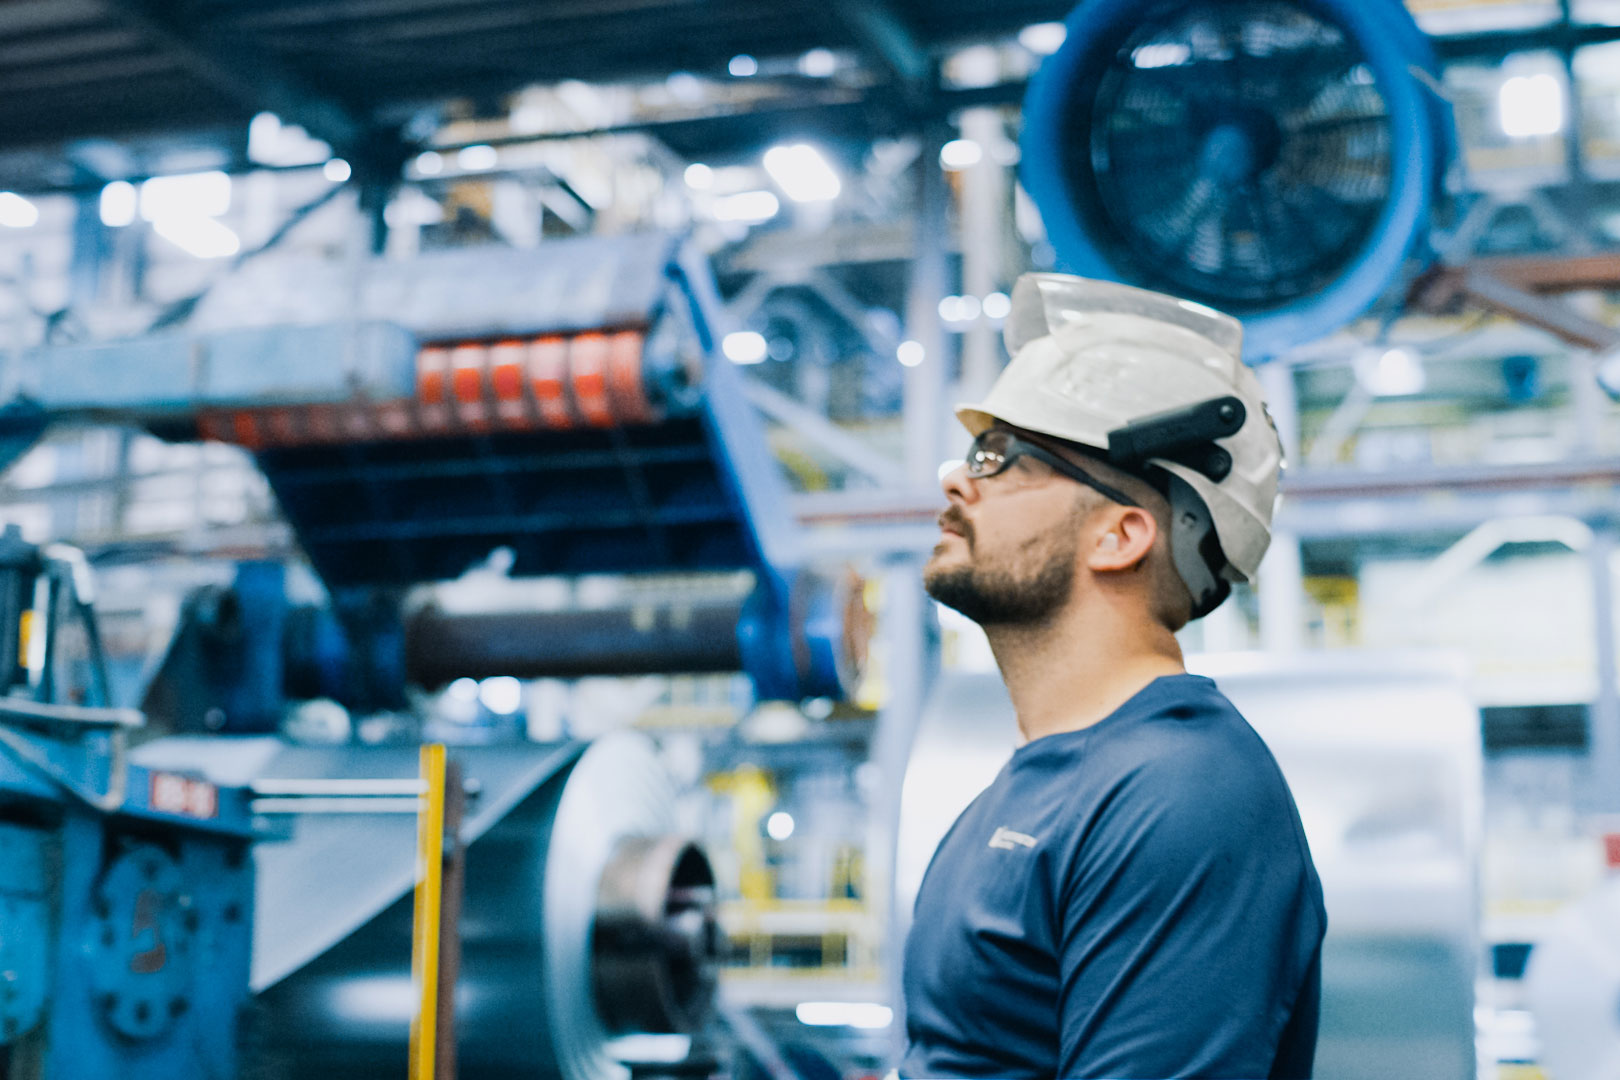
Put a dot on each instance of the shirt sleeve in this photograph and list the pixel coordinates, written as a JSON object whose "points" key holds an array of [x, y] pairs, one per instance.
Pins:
{"points": [[1187, 927]]}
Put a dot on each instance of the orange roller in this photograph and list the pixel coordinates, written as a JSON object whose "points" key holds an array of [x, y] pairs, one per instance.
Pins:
{"points": [[587, 372], [467, 364], [281, 426], [394, 420], [321, 424], [214, 427], [626, 388], [357, 425], [432, 378], [506, 361], [245, 430], [548, 379]]}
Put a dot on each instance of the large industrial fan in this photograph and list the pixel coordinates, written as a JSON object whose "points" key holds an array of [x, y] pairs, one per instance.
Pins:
{"points": [[1272, 158]]}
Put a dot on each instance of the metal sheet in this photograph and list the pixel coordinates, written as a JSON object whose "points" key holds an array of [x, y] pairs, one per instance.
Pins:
{"points": [[332, 938], [336, 873], [1573, 982], [1383, 756]]}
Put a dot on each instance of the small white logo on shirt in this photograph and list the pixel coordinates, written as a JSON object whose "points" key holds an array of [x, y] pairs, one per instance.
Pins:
{"points": [[1007, 839]]}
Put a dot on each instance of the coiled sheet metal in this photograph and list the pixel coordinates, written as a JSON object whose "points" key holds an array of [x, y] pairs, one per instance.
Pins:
{"points": [[331, 957]]}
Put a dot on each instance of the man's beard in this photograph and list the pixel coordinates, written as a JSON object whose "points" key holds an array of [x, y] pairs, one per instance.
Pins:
{"points": [[1010, 597]]}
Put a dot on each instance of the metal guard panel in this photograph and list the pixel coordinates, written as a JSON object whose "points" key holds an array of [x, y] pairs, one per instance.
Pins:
{"points": [[177, 373], [623, 500]]}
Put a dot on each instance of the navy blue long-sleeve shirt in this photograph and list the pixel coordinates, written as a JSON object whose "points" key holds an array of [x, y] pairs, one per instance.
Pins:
{"points": [[1134, 901]]}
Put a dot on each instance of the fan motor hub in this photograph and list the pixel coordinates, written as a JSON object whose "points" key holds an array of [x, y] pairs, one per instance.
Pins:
{"points": [[1242, 146]]}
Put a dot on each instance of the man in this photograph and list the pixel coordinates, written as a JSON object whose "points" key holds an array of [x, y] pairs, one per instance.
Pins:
{"points": [[1132, 897]]}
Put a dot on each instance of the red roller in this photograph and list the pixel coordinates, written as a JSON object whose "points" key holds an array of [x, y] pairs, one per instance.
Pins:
{"points": [[245, 430], [548, 378], [506, 360], [587, 369], [625, 386], [282, 427], [322, 424], [432, 376], [467, 364]]}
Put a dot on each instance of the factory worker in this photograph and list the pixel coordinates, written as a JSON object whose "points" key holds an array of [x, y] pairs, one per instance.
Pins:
{"points": [[1132, 897]]}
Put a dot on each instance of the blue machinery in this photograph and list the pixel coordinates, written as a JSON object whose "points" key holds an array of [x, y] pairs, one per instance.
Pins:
{"points": [[567, 407], [1277, 160], [128, 892], [577, 419]]}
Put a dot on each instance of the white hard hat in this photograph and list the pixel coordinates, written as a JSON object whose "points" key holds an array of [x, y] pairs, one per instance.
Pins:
{"points": [[1149, 381]]}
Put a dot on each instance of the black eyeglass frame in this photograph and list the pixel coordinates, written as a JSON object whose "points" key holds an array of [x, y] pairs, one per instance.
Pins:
{"points": [[1017, 447]]}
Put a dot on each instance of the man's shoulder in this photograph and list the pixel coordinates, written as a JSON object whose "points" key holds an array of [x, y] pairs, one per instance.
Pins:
{"points": [[1187, 725]]}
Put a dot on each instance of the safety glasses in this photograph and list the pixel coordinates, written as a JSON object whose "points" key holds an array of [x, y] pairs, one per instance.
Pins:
{"points": [[995, 451]]}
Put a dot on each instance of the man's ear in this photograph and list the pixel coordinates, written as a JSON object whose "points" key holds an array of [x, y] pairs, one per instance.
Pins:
{"points": [[1124, 542]]}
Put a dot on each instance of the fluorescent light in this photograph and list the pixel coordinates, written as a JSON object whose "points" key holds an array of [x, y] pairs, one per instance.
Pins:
{"points": [[479, 158], [818, 63], [698, 176], [188, 195], [1391, 373], [742, 66], [429, 163], [998, 305], [264, 138], [744, 347], [118, 204], [910, 353], [463, 689], [855, 1014], [501, 694], [1043, 39], [802, 173], [751, 207], [779, 826], [1163, 54], [336, 170], [17, 212], [1531, 105], [200, 236], [960, 154]]}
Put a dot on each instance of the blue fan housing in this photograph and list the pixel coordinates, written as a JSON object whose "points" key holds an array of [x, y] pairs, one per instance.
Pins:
{"points": [[1276, 159]]}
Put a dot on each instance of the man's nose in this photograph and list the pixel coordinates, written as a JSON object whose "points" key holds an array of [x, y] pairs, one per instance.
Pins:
{"points": [[958, 485]]}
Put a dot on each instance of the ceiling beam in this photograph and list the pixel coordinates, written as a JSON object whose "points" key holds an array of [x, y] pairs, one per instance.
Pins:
{"points": [[882, 32], [254, 81]]}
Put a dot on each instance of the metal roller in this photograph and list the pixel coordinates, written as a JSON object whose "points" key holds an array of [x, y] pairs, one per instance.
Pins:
{"points": [[686, 636], [584, 918], [554, 382]]}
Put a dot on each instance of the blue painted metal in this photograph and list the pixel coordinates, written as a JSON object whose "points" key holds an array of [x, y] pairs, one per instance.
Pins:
{"points": [[164, 997], [125, 906], [22, 423], [141, 943], [175, 375], [1422, 140], [25, 972], [698, 490]]}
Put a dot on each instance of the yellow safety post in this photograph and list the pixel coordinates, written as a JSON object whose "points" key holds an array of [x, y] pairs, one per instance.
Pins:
{"points": [[425, 926]]}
